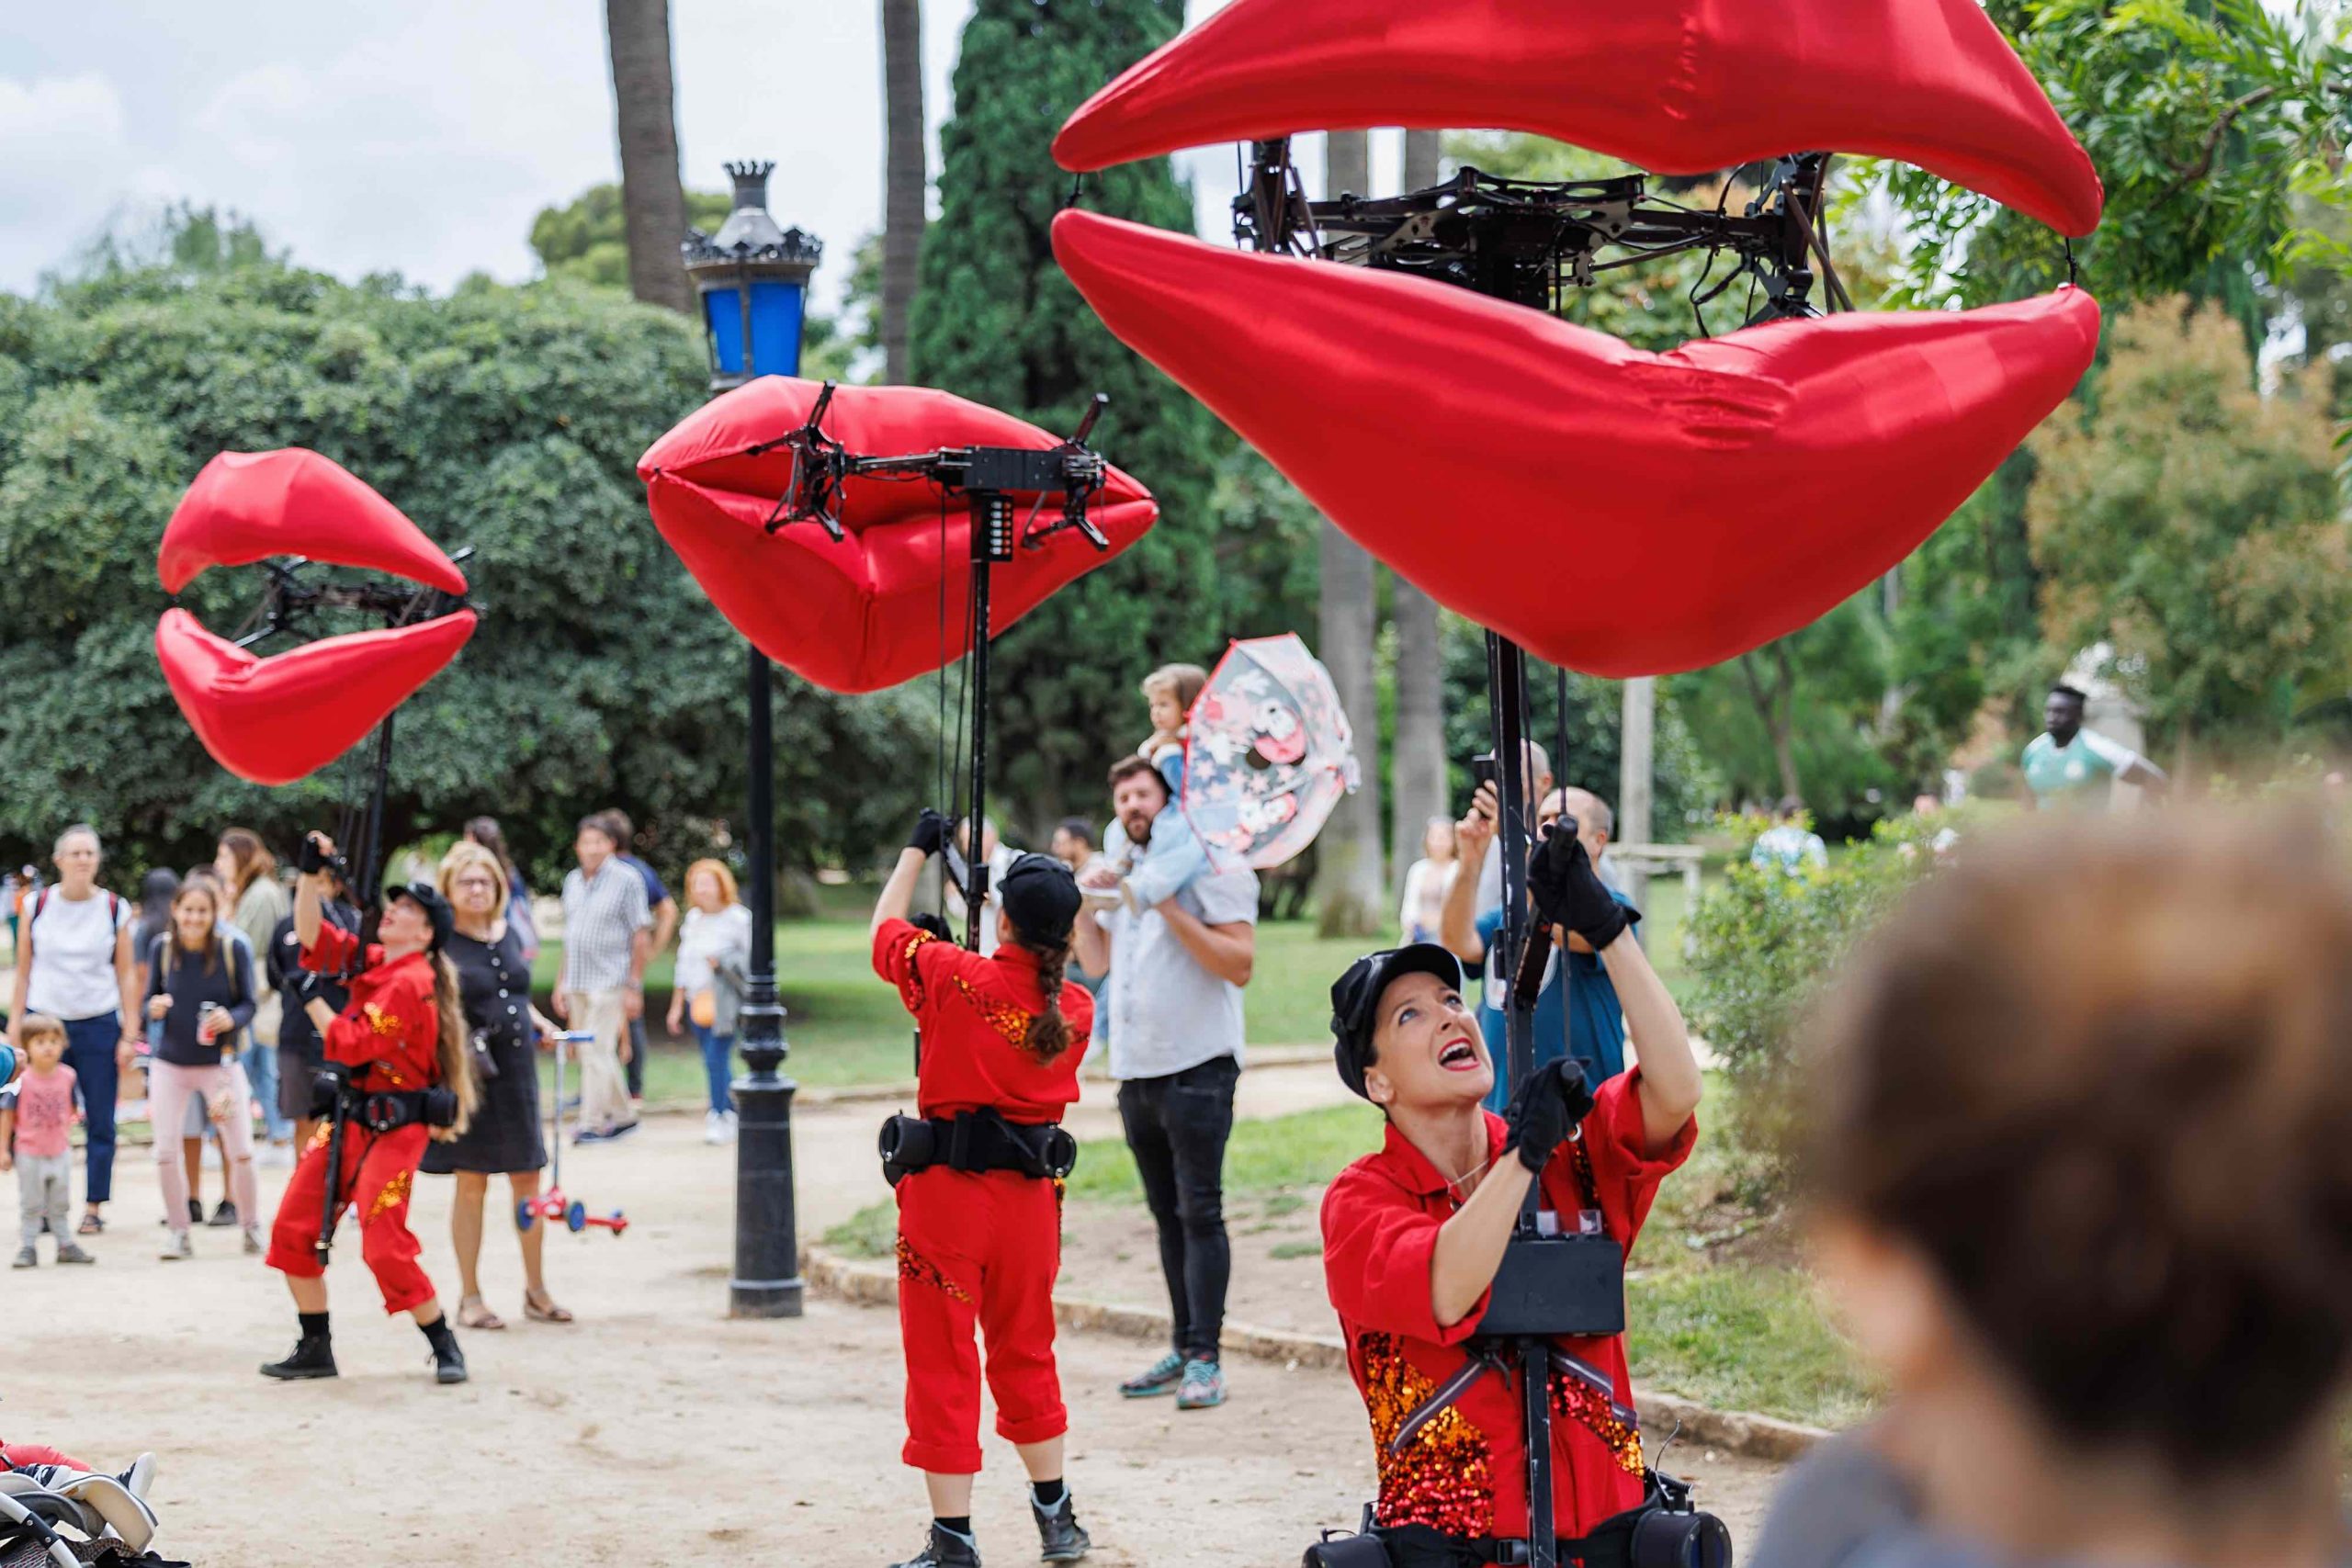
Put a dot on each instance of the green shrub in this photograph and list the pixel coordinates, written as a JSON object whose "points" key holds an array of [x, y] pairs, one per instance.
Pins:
{"points": [[1762, 941]]}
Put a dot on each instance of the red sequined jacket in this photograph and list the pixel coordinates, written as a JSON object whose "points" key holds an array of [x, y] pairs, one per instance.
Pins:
{"points": [[1465, 1473], [974, 1013], [390, 1031]]}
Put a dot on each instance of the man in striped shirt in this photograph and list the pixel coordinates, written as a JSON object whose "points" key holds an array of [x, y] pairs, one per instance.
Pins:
{"points": [[607, 941]]}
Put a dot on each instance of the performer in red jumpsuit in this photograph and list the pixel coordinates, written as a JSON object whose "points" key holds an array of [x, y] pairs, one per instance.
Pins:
{"points": [[400, 1036], [1413, 1234], [980, 1199]]}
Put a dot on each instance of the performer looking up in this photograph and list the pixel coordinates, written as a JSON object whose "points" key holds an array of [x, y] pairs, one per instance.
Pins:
{"points": [[979, 1190], [397, 1053], [1413, 1234]]}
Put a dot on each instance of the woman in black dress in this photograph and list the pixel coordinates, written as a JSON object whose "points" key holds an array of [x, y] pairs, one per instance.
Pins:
{"points": [[494, 985]]}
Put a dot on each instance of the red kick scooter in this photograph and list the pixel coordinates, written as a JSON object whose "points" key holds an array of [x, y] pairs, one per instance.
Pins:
{"points": [[552, 1205]]}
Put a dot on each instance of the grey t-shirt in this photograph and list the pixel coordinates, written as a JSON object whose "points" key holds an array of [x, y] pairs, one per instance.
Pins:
{"points": [[1839, 1499], [1162, 1011]]}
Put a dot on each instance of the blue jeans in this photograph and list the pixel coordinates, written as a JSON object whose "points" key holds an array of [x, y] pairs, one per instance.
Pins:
{"points": [[261, 1067], [89, 1051], [718, 1065]]}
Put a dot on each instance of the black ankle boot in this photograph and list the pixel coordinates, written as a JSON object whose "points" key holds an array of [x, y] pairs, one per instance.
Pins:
{"points": [[1057, 1530], [314, 1357], [449, 1361], [944, 1549]]}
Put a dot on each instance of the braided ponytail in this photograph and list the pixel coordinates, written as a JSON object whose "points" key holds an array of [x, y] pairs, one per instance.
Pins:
{"points": [[453, 1045], [1049, 1032]]}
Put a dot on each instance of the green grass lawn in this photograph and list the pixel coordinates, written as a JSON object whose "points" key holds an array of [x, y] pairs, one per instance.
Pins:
{"points": [[1735, 1327]]}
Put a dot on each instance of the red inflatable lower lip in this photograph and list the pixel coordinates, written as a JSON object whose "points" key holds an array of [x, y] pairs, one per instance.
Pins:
{"points": [[1635, 514], [1676, 86], [862, 612], [271, 721]]}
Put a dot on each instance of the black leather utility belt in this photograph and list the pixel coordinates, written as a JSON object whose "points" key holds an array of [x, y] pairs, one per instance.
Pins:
{"points": [[381, 1111], [976, 1140]]}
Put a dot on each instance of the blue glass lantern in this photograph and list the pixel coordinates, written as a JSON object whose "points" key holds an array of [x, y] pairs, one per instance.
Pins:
{"points": [[751, 279]]}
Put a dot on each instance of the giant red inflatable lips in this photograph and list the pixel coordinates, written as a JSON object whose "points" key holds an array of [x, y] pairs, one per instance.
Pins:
{"points": [[1676, 86], [864, 612], [1621, 513], [272, 720]]}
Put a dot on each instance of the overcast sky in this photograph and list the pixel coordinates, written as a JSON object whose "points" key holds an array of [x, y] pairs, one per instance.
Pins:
{"points": [[421, 136]]}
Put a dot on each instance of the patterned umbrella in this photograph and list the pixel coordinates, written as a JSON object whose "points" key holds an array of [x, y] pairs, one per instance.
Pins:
{"points": [[1269, 754]]}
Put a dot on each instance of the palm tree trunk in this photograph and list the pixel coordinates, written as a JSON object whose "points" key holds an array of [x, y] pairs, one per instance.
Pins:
{"points": [[1418, 765], [907, 179], [637, 33], [1351, 888]]}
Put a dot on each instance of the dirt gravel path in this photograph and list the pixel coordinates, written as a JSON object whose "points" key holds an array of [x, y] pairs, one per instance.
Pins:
{"points": [[654, 1428]]}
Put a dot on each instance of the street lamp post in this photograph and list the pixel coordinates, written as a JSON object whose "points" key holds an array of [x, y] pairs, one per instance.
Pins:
{"points": [[752, 280]]}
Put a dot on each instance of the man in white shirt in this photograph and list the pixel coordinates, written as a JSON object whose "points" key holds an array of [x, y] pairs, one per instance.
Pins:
{"points": [[1171, 1012]]}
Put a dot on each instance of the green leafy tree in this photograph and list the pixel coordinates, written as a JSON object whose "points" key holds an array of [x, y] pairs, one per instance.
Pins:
{"points": [[996, 321], [2191, 524], [509, 419], [2207, 120], [586, 239]]}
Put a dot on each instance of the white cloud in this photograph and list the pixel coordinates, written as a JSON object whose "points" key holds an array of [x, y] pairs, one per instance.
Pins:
{"points": [[59, 137]]}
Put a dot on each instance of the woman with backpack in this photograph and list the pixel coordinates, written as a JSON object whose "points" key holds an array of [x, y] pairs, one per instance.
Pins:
{"points": [[200, 989], [73, 962]]}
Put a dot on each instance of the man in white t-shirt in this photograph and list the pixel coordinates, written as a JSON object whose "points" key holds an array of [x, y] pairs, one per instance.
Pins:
{"points": [[1172, 1012]]}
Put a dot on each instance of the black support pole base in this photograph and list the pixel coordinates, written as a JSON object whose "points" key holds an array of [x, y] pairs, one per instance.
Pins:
{"points": [[766, 1281]]}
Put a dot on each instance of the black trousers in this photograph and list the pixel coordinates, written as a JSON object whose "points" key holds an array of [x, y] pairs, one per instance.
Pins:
{"points": [[1177, 1128], [635, 1071]]}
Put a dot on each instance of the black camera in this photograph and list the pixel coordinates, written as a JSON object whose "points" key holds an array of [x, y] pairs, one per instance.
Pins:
{"points": [[309, 857]]}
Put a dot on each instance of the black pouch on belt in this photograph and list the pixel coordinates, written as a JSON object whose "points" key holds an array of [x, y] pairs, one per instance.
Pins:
{"points": [[975, 1141]]}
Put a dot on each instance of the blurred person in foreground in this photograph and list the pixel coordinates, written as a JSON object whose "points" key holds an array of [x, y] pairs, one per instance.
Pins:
{"points": [[2107, 1279]]}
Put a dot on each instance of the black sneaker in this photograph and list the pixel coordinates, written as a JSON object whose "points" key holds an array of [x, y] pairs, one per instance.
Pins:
{"points": [[222, 1217], [449, 1361], [1058, 1533], [314, 1357], [944, 1549], [196, 1211]]}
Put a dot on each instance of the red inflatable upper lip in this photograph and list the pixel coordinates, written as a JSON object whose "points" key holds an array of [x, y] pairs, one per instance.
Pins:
{"points": [[862, 612], [273, 720], [1676, 86], [1628, 503], [248, 506]]}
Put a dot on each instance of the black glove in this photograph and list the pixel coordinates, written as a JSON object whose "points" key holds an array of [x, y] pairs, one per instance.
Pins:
{"points": [[1545, 1110], [935, 924], [1568, 892], [307, 856], [930, 835], [327, 1081]]}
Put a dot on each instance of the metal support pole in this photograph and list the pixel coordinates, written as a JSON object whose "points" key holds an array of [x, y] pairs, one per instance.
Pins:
{"points": [[1507, 703], [766, 1281], [991, 513]]}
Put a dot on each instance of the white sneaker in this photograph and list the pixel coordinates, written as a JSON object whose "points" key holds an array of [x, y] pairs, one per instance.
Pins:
{"points": [[715, 1129], [177, 1247], [277, 1156]]}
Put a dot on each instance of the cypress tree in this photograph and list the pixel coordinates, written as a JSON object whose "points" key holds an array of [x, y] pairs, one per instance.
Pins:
{"points": [[996, 321]]}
